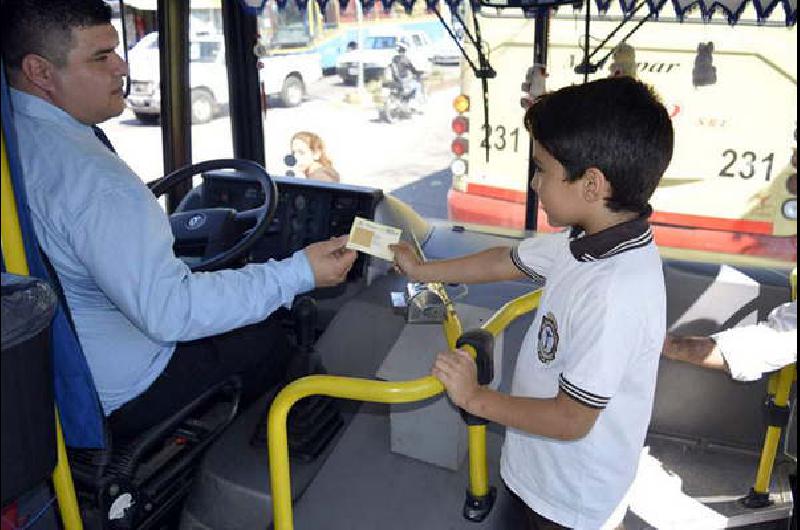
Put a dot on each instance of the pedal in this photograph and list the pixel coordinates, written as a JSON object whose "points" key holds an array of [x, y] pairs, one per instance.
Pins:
{"points": [[313, 422], [312, 427]]}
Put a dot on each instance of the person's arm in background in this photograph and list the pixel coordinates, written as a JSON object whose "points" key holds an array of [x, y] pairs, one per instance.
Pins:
{"points": [[745, 352], [491, 265], [698, 350]]}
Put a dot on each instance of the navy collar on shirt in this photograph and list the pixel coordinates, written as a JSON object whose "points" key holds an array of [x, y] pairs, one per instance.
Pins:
{"points": [[611, 241]]}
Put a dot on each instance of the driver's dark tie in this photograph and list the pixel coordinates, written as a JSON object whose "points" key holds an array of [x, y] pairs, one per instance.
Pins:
{"points": [[103, 138]]}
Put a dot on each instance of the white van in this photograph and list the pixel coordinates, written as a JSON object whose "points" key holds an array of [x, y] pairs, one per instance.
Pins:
{"points": [[285, 76]]}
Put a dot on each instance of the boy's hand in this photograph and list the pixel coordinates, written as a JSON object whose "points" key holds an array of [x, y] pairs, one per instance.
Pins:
{"points": [[330, 261], [458, 373], [406, 260]]}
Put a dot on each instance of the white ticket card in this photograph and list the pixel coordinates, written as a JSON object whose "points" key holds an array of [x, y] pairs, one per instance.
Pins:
{"points": [[373, 238]]}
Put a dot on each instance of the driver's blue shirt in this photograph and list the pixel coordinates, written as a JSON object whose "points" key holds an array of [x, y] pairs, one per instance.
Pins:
{"points": [[110, 242]]}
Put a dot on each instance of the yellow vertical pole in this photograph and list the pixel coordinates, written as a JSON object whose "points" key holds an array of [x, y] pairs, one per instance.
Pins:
{"points": [[478, 470], [62, 483], [16, 263], [783, 385], [779, 388], [13, 248]]}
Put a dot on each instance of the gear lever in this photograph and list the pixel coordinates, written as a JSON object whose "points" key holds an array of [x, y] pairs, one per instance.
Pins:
{"points": [[305, 312]]}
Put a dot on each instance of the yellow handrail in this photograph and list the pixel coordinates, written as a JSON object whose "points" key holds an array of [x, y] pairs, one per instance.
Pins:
{"points": [[17, 263], [62, 482], [380, 392], [779, 388], [13, 248], [782, 381]]}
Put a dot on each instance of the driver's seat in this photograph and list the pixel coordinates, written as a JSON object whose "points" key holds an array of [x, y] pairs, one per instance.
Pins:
{"points": [[120, 484], [135, 483]]}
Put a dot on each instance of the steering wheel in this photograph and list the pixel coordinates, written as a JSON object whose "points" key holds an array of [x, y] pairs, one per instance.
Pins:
{"points": [[211, 230]]}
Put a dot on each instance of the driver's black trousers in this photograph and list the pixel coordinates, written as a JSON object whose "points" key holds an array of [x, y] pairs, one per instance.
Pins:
{"points": [[258, 353]]}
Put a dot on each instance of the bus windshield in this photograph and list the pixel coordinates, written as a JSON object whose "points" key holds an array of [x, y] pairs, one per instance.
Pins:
{"points": [[729, 192]]}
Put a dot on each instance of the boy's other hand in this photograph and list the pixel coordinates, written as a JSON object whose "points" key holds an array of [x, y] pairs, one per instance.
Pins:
{"points": [[458, 373], [330, 261], [406, 260]]}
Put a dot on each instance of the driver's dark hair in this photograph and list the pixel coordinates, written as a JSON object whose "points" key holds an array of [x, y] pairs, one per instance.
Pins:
{"points": [[617, 125], [44, 27]]}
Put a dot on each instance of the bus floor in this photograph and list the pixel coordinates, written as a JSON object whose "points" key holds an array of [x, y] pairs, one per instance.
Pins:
{"points": [[358, 483], [363, 485]]}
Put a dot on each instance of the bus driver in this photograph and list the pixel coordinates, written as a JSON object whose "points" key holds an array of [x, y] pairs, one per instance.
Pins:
{"points": [[155, 335]]}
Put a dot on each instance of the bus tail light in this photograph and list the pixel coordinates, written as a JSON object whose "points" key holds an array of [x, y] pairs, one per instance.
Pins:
{"points": [[461, 103], [791, 184], [459, 167], [460, 124], [459, 146]]}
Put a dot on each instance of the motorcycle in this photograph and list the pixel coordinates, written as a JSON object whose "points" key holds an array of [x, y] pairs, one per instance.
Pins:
{"points": [[397, 98]]}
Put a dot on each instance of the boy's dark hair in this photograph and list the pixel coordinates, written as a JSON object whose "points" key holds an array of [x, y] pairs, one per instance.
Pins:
{"points": [[44, 27], [617, 125]]}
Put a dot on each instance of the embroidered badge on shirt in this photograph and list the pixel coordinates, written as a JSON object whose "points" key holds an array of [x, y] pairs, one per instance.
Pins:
{"points": [[548, 338]]}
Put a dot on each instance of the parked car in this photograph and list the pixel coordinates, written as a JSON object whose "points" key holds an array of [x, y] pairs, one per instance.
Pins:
{"points": [[285, 76], [206, 72], [377, 53]]}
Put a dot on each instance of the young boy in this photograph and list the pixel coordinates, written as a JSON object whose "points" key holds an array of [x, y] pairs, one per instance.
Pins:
{"points": [[583, 387]]}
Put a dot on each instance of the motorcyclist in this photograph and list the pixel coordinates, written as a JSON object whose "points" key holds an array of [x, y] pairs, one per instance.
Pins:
{"points": [[406, 75]]}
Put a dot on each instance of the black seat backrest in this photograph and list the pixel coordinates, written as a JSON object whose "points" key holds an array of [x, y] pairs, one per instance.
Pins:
{"points": [[149, 473], [687, 401]]}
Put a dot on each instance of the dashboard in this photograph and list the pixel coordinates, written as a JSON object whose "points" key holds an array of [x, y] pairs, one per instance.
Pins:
{"points": [[307, 210]]}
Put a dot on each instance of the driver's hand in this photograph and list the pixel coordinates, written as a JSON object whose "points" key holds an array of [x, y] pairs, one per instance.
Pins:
{"points": [[406, 260], [330, 261]]}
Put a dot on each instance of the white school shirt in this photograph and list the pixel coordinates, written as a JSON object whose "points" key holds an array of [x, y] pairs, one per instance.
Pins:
{"points": [[597, 337]]}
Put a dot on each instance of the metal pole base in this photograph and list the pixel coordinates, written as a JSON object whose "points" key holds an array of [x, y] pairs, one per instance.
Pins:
{"points": [[477, 508], [756, 500]]}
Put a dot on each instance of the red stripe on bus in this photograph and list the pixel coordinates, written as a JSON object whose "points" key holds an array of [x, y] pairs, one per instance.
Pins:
{"points": [[712, 223], [782, 248], [665, 218], [470, 208], [504, 194]]}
